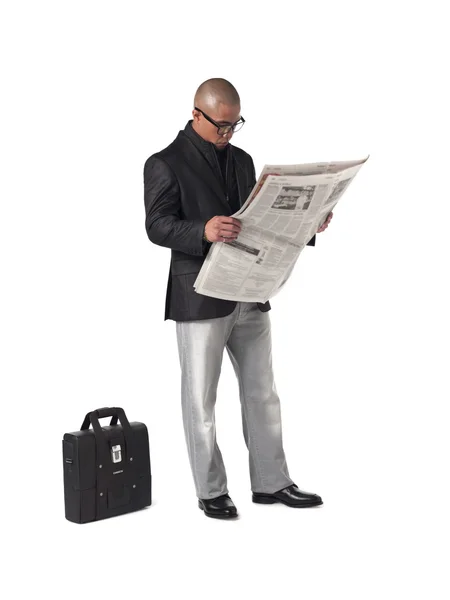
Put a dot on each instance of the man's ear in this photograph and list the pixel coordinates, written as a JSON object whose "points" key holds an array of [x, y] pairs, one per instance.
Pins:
{"points": [[195, 115]]}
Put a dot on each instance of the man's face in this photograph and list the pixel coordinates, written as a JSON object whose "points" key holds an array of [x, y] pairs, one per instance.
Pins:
{"points": [[223, 114]]}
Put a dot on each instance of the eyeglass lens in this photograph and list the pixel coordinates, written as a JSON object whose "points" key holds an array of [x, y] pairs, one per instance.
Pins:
{"points": [[227, 128]]}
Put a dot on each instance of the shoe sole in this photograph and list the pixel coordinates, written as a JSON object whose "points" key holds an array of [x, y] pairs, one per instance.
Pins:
{"points": [[272, 500], [218, 516]]}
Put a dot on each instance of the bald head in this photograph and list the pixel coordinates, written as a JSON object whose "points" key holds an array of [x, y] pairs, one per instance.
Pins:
{"points": [[214, 92], [216, 99]]}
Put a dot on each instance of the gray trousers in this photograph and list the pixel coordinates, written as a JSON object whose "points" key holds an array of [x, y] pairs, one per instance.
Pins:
{"points": [[245, 333]]}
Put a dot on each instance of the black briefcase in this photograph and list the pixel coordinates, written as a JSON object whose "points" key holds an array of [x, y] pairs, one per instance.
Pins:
{"points": [[106, 469]]}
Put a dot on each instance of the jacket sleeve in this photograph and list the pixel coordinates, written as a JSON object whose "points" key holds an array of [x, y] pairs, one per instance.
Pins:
{"points": [[163, 221], [312, 241]]}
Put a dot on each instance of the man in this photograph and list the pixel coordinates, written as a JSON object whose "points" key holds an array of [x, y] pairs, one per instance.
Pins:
{"points": [[191, 189]]}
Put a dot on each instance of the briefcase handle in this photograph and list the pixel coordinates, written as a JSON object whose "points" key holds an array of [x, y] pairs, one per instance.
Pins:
{"points": [[116, 413]]}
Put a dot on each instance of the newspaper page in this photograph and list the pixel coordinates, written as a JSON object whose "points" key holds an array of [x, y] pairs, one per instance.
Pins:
{"points": [[286, 207]]}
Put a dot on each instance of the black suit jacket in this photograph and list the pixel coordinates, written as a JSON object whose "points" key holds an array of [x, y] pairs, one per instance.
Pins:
{"points": [[182, 191]]}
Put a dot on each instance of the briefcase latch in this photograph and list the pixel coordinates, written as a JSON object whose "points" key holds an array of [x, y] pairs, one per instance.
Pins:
{"points": [[116, 453]]}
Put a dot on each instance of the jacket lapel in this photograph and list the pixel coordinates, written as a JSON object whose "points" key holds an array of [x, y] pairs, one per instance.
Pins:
{"points": [[198, 162], [241, 179]]}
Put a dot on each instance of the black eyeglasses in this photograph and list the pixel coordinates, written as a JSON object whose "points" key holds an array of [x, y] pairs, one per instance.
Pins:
{"points": [[223, 129]]}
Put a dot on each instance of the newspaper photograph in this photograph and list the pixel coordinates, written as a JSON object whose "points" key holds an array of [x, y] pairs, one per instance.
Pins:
{"points": [[286, 207]]}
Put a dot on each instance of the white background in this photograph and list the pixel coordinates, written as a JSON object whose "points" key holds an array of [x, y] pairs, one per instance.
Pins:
{"points": [[360, 332]]}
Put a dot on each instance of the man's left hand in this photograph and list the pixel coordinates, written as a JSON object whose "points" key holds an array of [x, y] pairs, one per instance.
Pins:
{"points": [[326, 223]]}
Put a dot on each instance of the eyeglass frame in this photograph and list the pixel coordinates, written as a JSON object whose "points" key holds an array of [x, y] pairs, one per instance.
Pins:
{"points": [[232, 125]]}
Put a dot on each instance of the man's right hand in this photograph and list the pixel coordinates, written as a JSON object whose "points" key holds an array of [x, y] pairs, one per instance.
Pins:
{"points": [[222, 229]]}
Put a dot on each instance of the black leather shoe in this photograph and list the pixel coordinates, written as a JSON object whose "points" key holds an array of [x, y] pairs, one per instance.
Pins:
{"points": [[221, 507], [291, 496]]}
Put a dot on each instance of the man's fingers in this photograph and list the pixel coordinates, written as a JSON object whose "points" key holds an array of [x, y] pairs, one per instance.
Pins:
{"points": [[226, 228], [229, 220], [229, 228], [227, 235]]}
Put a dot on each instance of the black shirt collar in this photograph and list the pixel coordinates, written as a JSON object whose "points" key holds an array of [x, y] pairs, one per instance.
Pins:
{"points": [[200, 142]]}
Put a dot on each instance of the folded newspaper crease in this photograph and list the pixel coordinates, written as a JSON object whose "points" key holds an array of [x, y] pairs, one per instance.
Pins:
{"points": [[287, 206]]}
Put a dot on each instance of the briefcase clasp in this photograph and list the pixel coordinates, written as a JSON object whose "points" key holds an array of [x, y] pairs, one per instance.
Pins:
{"points": [[116, 453]]}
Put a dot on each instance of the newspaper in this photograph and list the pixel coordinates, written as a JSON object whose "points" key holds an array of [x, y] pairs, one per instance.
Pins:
{"points": [[286, 207]]}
